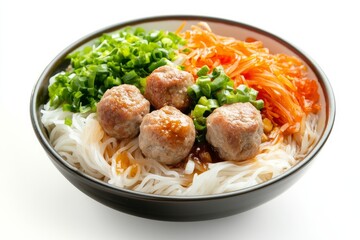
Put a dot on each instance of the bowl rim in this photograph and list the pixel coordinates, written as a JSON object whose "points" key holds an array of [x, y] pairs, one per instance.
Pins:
{"points": [[322, 78]]}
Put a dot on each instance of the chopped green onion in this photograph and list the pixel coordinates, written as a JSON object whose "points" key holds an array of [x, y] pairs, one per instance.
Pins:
{"points": [[186, 50], [258, 104], [159, 53], [243, 89], [216, 72], [199, 126], [130, 77], [67, 107], [68, 121], [214, 90], [232, 98], [128, 56], [243, 98], [203, 80], [155, 65], [199, 110], [203, 101], [219, 82], [194, 91], [221, 96], [253, 94], [213, 103], [203, 71]]}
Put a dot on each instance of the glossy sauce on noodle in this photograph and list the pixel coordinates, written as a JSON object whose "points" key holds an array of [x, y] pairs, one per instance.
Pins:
{"points": [[202, 153]]}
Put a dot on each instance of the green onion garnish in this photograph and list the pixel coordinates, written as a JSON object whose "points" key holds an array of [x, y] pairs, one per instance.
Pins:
{"points": [[214, 90], [127, 56]]}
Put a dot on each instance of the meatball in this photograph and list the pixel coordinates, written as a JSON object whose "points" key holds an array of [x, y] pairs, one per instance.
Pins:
{"points": [[168, 85], [166, 135], [121, 110], [235, 131]]}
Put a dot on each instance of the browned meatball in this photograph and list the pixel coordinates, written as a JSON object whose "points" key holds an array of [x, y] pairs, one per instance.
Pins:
{"points": [[166, 135], [235, 131], [168, 85], [121, 110]]}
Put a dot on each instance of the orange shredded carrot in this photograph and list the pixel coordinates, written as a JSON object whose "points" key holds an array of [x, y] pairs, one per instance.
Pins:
{"points": [[181, 27], [281, 80]]}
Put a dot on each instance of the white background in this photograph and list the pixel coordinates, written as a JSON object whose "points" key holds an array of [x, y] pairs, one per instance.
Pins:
{"points": [[37, 202]]}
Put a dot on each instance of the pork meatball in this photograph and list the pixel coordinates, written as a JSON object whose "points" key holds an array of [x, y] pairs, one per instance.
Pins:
{"points": [[168, 85], [167, 135], [235, 131], [121, 110]]}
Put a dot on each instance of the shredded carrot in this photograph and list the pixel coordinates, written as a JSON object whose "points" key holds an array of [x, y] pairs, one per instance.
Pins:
{"points": [[281, 80], [183, 24]]}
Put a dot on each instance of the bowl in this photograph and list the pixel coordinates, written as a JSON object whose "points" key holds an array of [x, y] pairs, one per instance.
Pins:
{"points": [[184, 208]]}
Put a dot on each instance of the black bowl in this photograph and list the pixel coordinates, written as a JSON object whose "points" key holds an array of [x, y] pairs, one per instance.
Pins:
{"points": [[186, 208]]}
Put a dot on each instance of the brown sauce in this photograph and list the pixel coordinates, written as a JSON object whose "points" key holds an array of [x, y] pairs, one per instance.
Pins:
{"points": [[201, 154], [205, 153], [173, 129]]}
